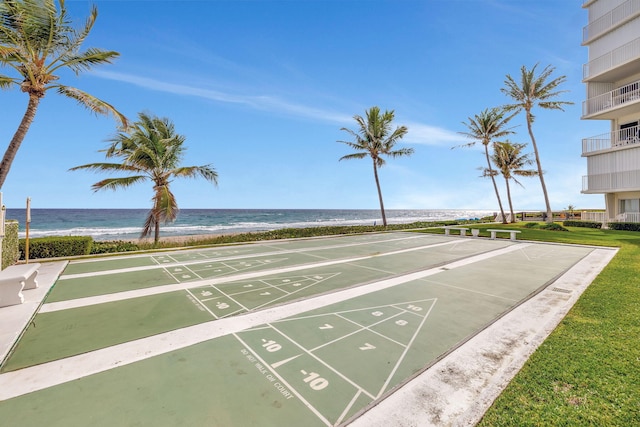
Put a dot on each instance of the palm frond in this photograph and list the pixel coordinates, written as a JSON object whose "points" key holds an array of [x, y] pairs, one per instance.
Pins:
{"points": [[86, 60], [164, 204], [92, 103], [107, 167], [489, 124], [403, 152], [115, 183], [6, 82], [207, 172], [353, 156], [358, 145], [75, 38], [149, 225]]}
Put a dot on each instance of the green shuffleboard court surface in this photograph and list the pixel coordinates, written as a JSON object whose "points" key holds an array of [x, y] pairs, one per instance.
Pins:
{"points": [[48, 337], [320, 367]]}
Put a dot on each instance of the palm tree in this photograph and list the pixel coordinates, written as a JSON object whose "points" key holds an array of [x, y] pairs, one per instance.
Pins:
{"points": [[510, 162], [535, 90], [375, 138], [37, 40], [150, 150], [484, 128]]}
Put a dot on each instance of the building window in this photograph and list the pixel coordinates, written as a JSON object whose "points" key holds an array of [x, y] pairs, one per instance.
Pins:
{"points": [[629, 205]]}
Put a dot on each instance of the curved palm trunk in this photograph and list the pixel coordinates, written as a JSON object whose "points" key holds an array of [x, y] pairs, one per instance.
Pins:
{"points": [[375, 173], [18, 137], [156, 236], [513, 217], [495, 186], [544, 187]]}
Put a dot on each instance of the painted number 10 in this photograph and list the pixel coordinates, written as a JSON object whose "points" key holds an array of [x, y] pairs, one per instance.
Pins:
{"points": [[315, 381], [271, 346]]}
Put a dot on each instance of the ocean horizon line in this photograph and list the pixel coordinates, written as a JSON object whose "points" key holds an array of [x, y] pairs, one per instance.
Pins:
{"points": [[126, 224]]}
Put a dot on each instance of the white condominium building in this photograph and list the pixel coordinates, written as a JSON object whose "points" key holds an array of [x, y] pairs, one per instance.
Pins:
{"points": [[612, 78]]}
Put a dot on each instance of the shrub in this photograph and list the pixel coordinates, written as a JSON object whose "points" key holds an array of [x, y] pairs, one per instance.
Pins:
{"points": [[53, 247], [586, 224], [624, 226], [553, 226], [113, 246], [531, 225], [10, 243]]}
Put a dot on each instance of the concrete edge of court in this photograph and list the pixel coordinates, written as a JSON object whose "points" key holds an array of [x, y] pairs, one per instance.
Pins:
{"points": [[458, 389], [15, 318]]}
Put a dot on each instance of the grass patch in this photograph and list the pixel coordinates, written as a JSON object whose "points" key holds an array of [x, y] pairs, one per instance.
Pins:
{"points": [[587, 372]]}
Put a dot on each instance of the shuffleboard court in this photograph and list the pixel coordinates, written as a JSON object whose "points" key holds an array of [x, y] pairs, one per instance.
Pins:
{"points": [[297, 344], [48, 338]]}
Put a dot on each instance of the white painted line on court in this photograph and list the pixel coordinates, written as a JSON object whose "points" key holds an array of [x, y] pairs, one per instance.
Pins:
{"points": [[286, 383], [458, 389], [38, 377], [227, 258], [406, 349], [136, 293]]}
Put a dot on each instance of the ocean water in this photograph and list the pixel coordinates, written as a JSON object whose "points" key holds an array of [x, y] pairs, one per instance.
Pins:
{"points": [[120, 224]]}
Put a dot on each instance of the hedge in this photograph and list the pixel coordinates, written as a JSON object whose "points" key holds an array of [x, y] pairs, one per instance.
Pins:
{"points": [[586, 224], [624, 226], [10, 243], [52, 247]]}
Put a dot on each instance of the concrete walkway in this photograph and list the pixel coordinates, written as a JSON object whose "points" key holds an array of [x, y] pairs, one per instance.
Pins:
{"points": [[15, 318]]}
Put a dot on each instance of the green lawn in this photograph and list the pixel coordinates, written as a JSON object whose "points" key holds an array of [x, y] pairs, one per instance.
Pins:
{"points": [[587, 373]]}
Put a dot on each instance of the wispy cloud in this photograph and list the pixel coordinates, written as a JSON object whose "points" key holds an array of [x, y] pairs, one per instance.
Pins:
{"points": [[258, 102], [419, 133], [432, 135]]}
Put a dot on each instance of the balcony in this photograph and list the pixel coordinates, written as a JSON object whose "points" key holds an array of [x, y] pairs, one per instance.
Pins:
{"points": [[612, 66], [624, 12], [611, 182], [614, 103], [620, 138]]}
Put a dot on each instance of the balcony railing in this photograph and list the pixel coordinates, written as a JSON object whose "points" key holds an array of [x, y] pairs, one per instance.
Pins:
{"points": [[630, 217], [613, 99], [602, 217], [619, 56], [610, 19], [615, 181], [593, 216], [616, 139]]}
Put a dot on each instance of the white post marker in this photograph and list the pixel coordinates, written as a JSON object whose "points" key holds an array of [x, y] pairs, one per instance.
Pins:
{"points": [[26, 240]]}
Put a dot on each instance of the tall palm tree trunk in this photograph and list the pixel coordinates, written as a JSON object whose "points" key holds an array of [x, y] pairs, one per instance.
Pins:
{"points": [[513, 217], [156, 232], [18, 137], [495, 186], [540, 174], [375, 173]]}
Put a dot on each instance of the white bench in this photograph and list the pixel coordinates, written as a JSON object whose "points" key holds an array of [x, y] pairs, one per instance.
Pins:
{"points": [[463, 230], [512, 233], [14, 279]]}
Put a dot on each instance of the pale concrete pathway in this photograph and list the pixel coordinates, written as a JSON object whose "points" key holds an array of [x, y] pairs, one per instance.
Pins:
{"points": [[45, 375], [15, 318]]}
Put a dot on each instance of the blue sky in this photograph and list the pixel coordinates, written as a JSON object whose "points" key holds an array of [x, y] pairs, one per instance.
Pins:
{"points": [[261, 89]]}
